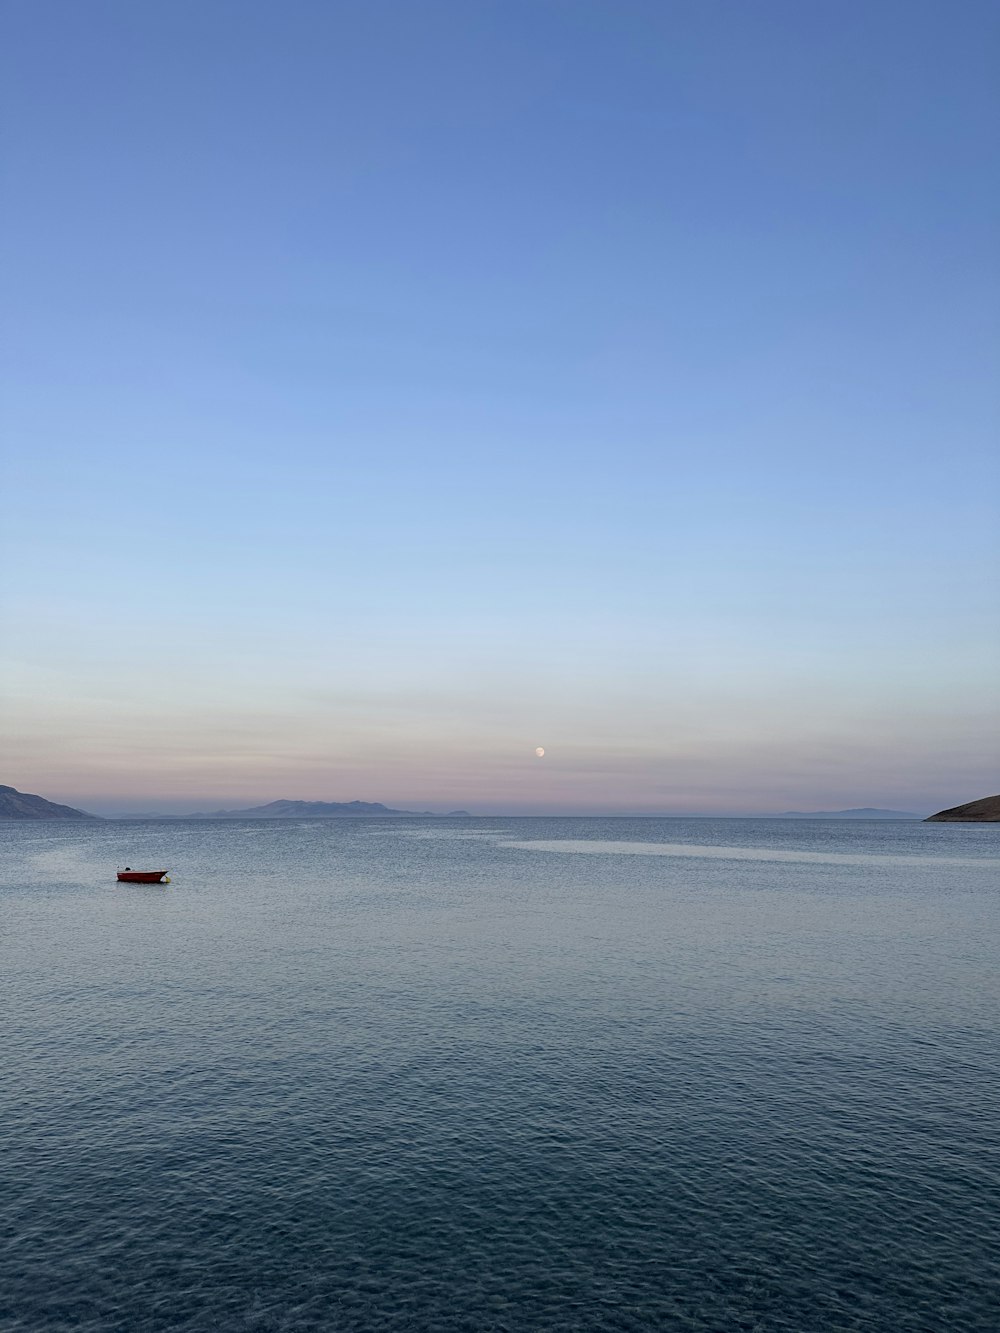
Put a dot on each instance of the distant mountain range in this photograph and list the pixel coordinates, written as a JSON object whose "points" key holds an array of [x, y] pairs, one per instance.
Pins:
{"points": [[866, 812], [984, 811], [16, 804], [315, 810]]}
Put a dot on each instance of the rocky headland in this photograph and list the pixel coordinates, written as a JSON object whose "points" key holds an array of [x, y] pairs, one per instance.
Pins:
{"points": [[984, 811], [16, 804]]}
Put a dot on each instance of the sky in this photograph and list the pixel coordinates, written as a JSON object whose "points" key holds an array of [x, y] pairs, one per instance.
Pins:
{"points": [[393, 388]]}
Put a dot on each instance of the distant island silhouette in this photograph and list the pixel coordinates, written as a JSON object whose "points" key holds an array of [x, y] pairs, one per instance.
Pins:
{"points": [[865, 812], [16, 804], [316, 810], [984, 811]]}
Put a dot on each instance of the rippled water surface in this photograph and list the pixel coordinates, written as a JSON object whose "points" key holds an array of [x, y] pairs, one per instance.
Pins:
{"points": [[701, 1075]]}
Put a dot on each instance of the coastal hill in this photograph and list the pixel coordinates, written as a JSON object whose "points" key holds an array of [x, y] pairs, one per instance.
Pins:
{"points": [[16, 804], [866, 812], [984, 811], [316, 810]]}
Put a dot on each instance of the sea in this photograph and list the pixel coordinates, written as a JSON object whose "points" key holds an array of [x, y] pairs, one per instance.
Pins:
{"points": [[500, 1074]]}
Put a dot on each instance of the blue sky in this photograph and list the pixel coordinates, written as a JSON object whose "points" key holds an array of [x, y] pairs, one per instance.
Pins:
{"points": [[395, 387]]}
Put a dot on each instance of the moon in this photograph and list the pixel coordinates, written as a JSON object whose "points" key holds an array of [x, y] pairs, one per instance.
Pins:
{"points": [[540, 753]]}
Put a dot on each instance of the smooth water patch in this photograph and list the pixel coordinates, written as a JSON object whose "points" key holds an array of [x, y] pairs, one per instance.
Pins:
{"points": [[716, 852]]}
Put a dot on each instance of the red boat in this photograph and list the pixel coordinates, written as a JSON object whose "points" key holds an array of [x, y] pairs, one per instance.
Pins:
{"points": [[141, 876]]}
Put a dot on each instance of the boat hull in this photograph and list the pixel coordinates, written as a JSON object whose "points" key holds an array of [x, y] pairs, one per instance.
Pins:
{"points": [[141, 876]]}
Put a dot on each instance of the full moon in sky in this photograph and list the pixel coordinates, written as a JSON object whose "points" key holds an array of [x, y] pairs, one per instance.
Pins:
{"points": [[539, 752]]}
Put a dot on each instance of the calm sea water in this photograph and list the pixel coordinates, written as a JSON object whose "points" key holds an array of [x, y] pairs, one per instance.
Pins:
{"points": [[700, 1075]]}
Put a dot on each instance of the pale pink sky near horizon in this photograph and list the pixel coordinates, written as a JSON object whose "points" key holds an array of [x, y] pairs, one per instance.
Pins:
{"points": [[632, 718], [707, 773]]}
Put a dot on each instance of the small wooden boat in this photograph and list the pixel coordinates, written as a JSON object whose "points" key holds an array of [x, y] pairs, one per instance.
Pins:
{"points": [[141, 876]]}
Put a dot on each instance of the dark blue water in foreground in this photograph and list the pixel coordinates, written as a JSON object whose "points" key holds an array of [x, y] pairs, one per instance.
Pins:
{"points": [[501, 1075]]}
